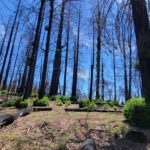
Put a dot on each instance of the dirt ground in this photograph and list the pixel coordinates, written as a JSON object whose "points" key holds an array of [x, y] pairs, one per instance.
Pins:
{"points": [[60, 130]]}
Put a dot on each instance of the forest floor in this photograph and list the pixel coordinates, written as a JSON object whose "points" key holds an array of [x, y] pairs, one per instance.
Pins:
{"points": [[60, 130]]}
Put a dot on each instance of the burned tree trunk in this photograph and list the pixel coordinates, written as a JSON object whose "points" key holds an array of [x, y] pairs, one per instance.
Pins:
{"points": [[29, 83], [92, 66], [57, 59], [66, 57], [4, 39], [76, 62], [43, 79], [11, 79], [142, 31], [9, 42], [10, 57], [98, 54]]}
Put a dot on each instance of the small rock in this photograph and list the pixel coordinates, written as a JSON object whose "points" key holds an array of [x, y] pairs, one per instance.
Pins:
{"points": [[89, 144], [137, 137]]}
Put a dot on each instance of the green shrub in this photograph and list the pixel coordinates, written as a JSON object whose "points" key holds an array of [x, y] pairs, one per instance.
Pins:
{"points": [[137, 112], [68, 103], [113, 103], [118, 130], [4, 92], [41, 102], [9, 103], [56, 97], [115, 108], [91, 106], [20, 103], [59, 103], [64, 99], [98, 101], [83, 103], [106, 106], [34, 95]]}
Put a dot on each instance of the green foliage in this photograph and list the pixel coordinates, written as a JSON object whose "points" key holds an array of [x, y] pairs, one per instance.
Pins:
{"points": [[64, 99], [137, 112], [41, 102], [67, 103], [59, 103], [91, 106], [83, 103], [98, 101], [4, 92], [113, 103], [62, 146], [115, 108], [106, 106], [34, 95], [20, 103], [119, 130], [10, 103]]}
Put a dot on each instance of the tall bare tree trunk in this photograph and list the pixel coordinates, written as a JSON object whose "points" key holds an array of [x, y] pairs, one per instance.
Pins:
{"points": [[76, 62], [92, 66], [9, 42], [142, 31], [66, 57], [4, 39], [30, 78], [43, 79], [98, 53], [114, 71], [12, 75], [11, 54], [57, 60]]}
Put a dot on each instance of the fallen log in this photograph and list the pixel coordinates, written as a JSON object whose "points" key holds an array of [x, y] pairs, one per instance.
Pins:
{"points": [[42, 108], [24, 112], [6, 119], [89, 144], [96, 110]]}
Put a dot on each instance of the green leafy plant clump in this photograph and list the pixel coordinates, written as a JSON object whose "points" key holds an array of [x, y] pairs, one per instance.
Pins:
{"points": [[34, 95], [4, 92], [59, 103], [91, 106], [41, 102], [106, 106], [68, 103], [113, 103], [137, 112], [84, 103], [98, 101], [20, 103], [10, 103]]}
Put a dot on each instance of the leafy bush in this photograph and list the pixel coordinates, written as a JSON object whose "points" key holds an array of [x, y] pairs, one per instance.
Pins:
{"points": [[106, 106], [41, 102], [91, 106], [34, 95], [4, 92], [83, 103], [137, 112], [68, 103], [118, 130], [55, 97], [59, 103], [113, 103], [20, 103], [9, 103], [64, 99], [115, 108], [98, 101]]}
